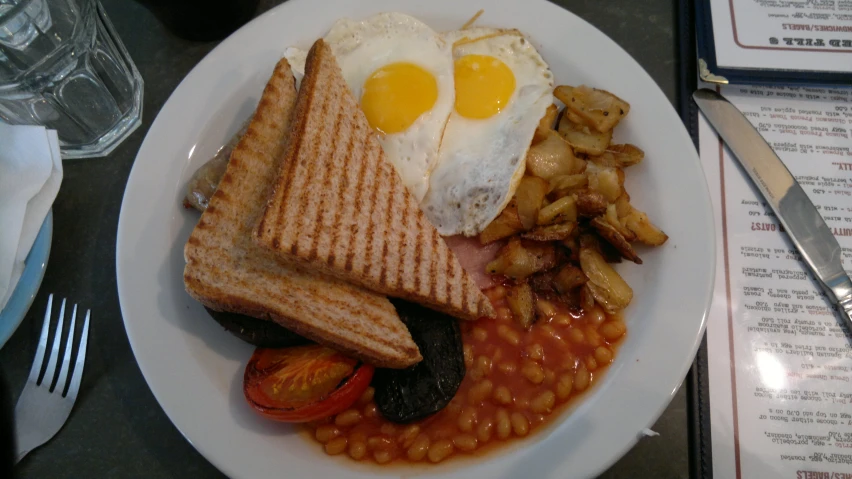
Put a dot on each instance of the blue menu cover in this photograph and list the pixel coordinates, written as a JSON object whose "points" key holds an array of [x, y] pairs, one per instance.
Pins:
{"points": [[772, 42]]}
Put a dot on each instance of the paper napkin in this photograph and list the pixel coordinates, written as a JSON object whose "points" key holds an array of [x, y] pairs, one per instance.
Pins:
{"points": [[30, 174]]}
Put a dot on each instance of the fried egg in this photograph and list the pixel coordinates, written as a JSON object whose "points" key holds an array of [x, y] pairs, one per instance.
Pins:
{"points": [[401, 71], [502, 89]]}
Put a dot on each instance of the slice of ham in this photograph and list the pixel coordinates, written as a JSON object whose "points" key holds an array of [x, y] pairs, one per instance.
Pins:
{"points": [[474, 256]]}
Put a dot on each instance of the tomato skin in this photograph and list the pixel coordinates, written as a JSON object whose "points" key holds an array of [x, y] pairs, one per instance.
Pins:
{"points": [[337, 401]]}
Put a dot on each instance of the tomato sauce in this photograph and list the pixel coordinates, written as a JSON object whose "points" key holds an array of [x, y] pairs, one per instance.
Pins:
{"points": [[516, 381]]}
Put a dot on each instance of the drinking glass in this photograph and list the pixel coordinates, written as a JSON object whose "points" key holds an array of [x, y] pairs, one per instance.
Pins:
{"points": [[63, 66]]}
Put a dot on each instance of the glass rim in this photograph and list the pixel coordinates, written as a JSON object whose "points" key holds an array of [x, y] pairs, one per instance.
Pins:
{"points": [[20, 6]]}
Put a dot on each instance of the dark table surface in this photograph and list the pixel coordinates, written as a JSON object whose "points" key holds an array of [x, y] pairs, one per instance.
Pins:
{"points": [[117, 429]]}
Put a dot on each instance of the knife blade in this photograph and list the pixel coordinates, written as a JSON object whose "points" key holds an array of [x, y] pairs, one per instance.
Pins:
{"points": [[797, 214]]}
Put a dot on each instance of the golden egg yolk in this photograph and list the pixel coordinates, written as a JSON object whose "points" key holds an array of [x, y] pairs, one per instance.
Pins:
{"points": [[484, 85], [396, 94]]}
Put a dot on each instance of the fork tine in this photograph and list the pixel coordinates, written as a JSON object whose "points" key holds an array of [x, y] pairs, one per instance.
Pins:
{"points": [[66, 359], [54, 351], [81, 359], [42, 342]]}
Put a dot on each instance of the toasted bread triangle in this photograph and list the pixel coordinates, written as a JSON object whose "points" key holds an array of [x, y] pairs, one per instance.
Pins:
{"points": [[226, 271], [339, 206]]}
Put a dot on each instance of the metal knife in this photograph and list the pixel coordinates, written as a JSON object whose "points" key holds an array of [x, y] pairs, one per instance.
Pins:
{"points": [[800, 218]]}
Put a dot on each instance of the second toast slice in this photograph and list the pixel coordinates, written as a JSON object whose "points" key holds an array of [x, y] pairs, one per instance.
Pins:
{"points": [[339, 206]]}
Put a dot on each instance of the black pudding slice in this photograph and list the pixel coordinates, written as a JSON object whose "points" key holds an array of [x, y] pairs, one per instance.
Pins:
{"points": [[405, 395], [258, 332]]}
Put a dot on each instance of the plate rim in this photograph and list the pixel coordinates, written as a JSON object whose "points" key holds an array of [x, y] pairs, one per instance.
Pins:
{"points": [[22, 297], [704, 200]]}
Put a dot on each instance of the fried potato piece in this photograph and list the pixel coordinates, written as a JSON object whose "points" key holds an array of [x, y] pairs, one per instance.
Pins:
{"points": [[599, 108], [645, 231], [522, 303], [622, 205], [567, 184], [503, 226], [612, 218], [605, 284], [518, 261], [552, 157], [616, 239], [626, 155], [583, 138], [557, 232], [546, 124], [569, 278], [560, 211], [590, 203], [529, 197], [587, 299], [605, 181]]}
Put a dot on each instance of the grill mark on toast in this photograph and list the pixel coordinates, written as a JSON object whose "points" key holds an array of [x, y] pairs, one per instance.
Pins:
{"points": [[400, 266], [309, 172], [335, 235], [370, 206], [388, 220], [350, 251]]}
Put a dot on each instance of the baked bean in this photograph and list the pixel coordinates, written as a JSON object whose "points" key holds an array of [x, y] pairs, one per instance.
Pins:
{"points": [[479, 334], [498, 355], [504, 314], [603, 355], [389, 428], [596, 316], [418, 448], [535, 352], [509, 335], [367, 395], [545, 308], [564, 386], [326, 433], [465, 442], [504, 424], [483, 364], [379, 443], [562, 319], [520, 425], [612, 330], [382, 457], [591, 363], [475, 374], [336, 446], [484, 430], [543, 403], [440, 450], [548, 331], [582, 378], [480, 391], [370, 411], [533, 372], [593, 338], [357, 450], [549, 377], [409, 434], [349, 417], [503, 396], [507, 368], [576, 336], [497, 293], [468, 355], [467, 419]]}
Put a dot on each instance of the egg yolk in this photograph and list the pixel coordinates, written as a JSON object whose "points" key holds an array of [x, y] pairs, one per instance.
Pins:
{"points": [[396, 94], [484, 85]]}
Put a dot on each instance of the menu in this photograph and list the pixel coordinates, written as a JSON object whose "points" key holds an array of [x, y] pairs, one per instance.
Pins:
{"points": [[780, 364], [814, 35]]}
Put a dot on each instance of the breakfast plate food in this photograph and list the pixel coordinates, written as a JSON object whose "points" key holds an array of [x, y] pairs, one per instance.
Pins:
{"points": [[431, 245]]}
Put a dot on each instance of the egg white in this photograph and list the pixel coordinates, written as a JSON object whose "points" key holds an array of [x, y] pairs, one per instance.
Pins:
{"points": [[481, 161], [363, 46]]}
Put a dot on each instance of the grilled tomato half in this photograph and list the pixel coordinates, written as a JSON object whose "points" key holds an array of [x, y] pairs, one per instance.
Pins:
{"points": [[303, 383]]}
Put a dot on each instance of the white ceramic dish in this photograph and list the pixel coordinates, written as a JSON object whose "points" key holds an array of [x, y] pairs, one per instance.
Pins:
{"points": [[195, 368]]}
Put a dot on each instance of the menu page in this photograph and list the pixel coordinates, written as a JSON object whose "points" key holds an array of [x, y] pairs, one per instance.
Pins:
{"points": [[813, 35], [780, 364]]}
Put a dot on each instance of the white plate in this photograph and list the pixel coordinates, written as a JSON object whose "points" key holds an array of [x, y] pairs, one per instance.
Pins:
{"points": [[195, 368]]}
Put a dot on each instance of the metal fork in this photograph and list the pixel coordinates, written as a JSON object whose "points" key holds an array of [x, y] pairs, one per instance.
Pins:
{"points": [[41, 411]]}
